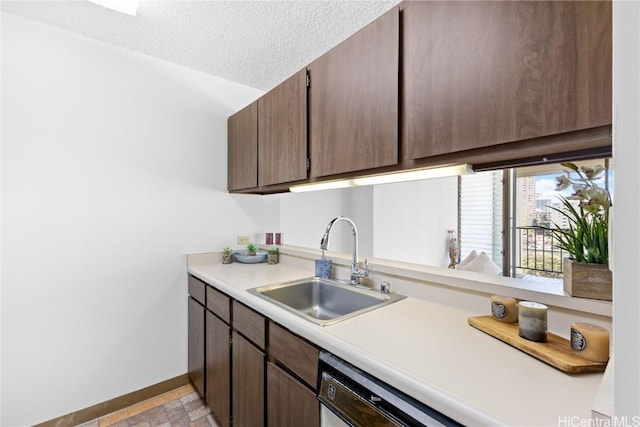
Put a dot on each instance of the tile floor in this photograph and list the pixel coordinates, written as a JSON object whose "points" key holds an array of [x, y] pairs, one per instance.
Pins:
{"points": [[182, 407]]}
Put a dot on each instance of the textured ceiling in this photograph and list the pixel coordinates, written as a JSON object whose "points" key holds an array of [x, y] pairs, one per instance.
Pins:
{"points": [[256, 43]]}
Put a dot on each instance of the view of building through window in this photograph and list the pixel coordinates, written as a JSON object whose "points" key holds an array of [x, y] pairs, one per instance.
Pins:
{"points": [[535, 253]]}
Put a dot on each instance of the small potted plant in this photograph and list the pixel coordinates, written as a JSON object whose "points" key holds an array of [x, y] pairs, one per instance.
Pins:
{"points": [[252, 249], [586, 272], [273, 256], [227, 257]]}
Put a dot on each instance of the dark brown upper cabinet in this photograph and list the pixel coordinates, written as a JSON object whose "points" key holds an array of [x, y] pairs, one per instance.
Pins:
{"points": [[282, 132], [481, 73], [242, 147], [353, 101]]}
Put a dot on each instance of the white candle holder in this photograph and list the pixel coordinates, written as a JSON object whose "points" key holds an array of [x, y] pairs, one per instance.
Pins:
{"points": [[532, 321]]}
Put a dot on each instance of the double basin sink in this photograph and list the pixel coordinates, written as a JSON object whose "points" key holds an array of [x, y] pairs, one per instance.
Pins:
{"points": [[324, 301]]}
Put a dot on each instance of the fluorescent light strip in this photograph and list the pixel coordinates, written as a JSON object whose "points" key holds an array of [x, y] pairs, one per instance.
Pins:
{"points": [[414, 175], [411, 175], [326, 185], [130, 7]]}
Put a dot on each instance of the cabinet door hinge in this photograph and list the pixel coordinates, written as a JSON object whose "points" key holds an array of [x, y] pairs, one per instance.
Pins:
{"points": [[308, 79], [308, 164]]}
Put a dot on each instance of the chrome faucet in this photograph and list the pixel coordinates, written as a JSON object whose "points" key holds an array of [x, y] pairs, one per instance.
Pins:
{"points": [[356, 272]]}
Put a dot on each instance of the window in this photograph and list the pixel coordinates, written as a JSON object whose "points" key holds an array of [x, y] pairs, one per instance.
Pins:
{"points": [[511, 229], [480, 216]]}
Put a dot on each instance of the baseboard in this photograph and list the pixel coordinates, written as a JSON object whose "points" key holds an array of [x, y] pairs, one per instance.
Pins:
{"points": [[116, 404]]}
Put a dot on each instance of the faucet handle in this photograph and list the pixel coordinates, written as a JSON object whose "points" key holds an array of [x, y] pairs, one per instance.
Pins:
{"points": [[385, 287], [362, 272]]}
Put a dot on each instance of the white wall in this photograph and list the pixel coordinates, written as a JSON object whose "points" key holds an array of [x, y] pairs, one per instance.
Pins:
{"points": [[626, 229], [357, 204], [411, 220], [113, 168], [304, 217]]}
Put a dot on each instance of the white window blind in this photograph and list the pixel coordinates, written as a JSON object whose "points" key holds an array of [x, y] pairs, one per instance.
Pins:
{"points": [[481, 214]]}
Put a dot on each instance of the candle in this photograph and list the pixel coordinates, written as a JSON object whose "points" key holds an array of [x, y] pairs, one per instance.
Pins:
{"points": [[279, 239], [590, 341], [504, 309], [532, 321], [268, 238]]}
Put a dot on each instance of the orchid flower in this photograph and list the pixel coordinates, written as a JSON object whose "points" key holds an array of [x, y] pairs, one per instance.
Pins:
{"points": [[562, 182], [592, 173], [580, 192], [586, 238]]}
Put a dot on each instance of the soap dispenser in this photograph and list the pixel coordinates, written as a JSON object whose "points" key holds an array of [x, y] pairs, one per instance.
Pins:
{"points": [[323, 267]]}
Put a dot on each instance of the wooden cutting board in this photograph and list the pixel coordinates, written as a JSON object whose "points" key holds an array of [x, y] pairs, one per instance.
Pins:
{"points": [[555, 352]]}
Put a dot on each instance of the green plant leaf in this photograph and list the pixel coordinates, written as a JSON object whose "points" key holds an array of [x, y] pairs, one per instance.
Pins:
{"points": [[570, 165], [586, 238]]}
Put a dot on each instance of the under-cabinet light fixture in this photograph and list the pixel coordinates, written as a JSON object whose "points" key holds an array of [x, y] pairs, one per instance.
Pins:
{"points": [[411, 175], [326, 185], [130, 7]]}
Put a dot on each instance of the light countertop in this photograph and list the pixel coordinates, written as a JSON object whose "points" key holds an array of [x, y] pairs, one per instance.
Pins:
{"points": [[426, 350]]}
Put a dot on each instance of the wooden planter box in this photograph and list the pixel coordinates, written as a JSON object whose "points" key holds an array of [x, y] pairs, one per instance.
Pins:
{"points": [[587, 280]]}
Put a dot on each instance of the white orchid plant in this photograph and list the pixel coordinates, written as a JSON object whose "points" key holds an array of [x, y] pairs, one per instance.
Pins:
{"points": [[586, 239]]}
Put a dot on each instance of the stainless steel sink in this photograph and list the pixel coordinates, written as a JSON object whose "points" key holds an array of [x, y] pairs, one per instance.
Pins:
{"points": [[324, 301]]}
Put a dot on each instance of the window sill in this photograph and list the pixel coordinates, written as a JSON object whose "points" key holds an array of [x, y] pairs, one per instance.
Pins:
{"points": [[551, 294]]}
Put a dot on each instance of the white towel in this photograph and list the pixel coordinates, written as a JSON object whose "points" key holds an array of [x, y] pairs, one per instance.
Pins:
{"points": [[473, 255], [482, 264]]}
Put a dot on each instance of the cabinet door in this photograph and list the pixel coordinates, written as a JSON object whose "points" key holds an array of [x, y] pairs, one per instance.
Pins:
{"points": [[353, 101], [218, 369], [282, 132], [247, 383], [242, 147], [296, 354], [482, 73], [196, 353], [289, 403]]}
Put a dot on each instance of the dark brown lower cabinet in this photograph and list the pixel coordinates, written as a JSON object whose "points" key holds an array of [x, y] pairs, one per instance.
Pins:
{"points": [[196, 341], [248, 364], [218, 365], [228, 364], [289, 403]]}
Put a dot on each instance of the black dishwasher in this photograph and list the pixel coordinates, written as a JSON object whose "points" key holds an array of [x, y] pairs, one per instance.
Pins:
{"points": [[361, 400]]}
